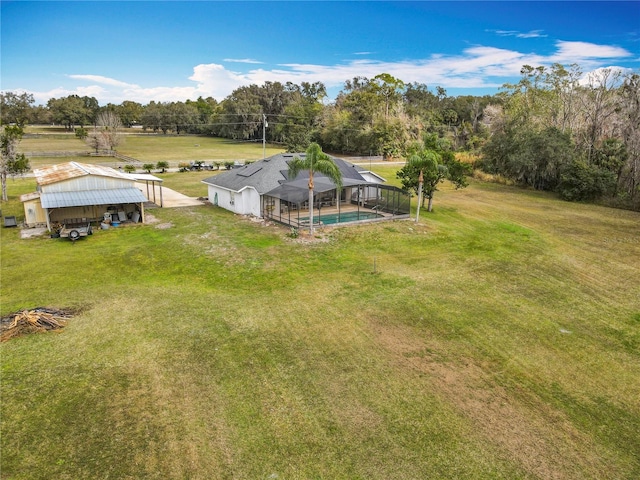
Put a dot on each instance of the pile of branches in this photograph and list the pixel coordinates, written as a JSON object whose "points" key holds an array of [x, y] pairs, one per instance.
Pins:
{"points": [[32, 321]]}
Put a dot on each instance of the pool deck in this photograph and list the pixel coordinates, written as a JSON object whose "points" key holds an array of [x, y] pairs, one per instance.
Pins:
{"points": [[300, 218]]}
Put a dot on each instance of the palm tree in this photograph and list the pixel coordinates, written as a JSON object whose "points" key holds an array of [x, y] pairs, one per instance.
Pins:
{"points": [[315, 160]]}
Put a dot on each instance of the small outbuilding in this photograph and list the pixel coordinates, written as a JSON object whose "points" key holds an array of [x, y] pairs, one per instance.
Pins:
{"points": [[75, 192]]}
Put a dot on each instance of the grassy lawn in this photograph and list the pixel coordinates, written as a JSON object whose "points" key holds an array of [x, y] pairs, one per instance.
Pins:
{"points": [[148, 148], [497, 338]]}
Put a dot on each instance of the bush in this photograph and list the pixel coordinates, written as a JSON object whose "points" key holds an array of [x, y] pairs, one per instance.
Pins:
{"points": [[582, 181], [129, 168], [82, 133], [183, 167]]}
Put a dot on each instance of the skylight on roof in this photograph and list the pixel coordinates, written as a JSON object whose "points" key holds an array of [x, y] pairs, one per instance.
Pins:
{"points": [[249, 170]]}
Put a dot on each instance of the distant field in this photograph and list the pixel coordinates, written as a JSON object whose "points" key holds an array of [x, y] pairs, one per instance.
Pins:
{"points": [[148, 148], [499, 338]]}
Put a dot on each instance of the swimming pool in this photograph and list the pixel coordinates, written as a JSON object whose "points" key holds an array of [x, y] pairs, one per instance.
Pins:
{"points": [[332, 218]]}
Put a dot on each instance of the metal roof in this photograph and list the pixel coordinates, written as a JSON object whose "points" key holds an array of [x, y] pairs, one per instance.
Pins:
{"points": [[147, 177], [92, 197], [65, 171]]}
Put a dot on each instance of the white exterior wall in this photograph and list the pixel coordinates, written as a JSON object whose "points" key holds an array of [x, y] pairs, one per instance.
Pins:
{"points": [[244, 202], [251, 202], [87, 182]]}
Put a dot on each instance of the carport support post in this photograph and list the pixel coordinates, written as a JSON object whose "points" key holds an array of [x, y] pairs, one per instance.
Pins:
{"points": [[48, 219], [161, 205], [142, 212]]}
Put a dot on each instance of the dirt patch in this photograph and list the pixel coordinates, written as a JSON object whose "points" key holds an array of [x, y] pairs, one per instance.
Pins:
{"points": [[164, 226], [150, 219], [542, 440], [32, 232]]}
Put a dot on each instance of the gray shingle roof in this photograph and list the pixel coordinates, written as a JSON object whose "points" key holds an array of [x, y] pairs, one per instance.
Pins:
{"points": [[265, 175]]}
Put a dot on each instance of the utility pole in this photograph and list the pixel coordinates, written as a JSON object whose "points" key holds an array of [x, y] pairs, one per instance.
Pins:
{"points": [[264, 137]]}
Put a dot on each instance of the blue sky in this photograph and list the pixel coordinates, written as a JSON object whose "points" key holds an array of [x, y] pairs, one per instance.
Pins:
{"points": [[173, 51]]}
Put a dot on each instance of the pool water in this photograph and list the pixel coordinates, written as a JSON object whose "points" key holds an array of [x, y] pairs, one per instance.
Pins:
{"points": [[332, 218]]}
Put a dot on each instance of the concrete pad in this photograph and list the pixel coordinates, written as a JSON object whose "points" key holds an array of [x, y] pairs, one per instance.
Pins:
{"points": [[170, 198]]}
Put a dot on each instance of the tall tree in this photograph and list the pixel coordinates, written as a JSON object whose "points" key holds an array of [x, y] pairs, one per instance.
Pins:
{"points": [[391, 90], [315, 160], [300, 123], [130, 113], [153, 117], [107, 132], [73, 110], [599, 105], [12, 162], [630, 135], [430, 164], [16, 108], [182, 116]]}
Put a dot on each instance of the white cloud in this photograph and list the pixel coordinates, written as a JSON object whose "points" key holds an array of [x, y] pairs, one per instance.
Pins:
{"points": [[575, 51], [515, 33], [605, 76], [103, 80], [476, 67], [242, 60], [216, 81]]}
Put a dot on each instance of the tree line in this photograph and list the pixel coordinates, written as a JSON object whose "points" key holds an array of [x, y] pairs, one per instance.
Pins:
{"points": [[553, 130]]}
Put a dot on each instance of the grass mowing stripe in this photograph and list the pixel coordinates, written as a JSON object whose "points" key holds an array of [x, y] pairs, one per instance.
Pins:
{"points": [[494, 339]]}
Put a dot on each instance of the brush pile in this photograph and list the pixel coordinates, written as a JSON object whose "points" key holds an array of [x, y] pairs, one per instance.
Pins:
{"points": [[32, 321]]}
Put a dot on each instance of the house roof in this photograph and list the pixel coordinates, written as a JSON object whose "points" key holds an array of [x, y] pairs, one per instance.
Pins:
{"points": [[268, 174], [70, 170], [114, 196]]}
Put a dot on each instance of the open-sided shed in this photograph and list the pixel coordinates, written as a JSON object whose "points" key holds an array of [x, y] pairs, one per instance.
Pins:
{"points": [[75, 192]]}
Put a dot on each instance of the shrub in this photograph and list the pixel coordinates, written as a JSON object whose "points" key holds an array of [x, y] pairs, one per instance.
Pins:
{"points": [[129, 168], [582, 181], [81, 133]]}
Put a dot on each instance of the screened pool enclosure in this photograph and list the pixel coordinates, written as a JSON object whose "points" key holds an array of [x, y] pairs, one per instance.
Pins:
{"points": [[357, 202]]}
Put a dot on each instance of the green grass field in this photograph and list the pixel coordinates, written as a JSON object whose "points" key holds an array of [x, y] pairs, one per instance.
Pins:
{"points": [[148, 148], [497, 338]]}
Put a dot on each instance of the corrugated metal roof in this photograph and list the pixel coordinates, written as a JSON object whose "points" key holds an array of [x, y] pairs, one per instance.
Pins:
{"points": [[69, 170], [144, 177], [92, 197]]}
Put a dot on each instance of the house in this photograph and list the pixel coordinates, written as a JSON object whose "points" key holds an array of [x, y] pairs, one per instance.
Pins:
{"points": [[263, 189], [76, 192]]}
